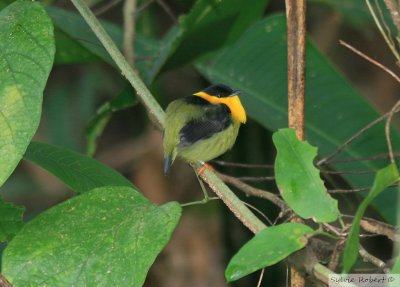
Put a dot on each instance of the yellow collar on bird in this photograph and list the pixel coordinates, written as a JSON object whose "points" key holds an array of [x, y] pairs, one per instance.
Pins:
{"points": [[233, 103]]}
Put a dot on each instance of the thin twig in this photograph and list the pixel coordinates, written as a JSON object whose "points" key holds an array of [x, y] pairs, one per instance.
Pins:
{"points": [[349, 190], [261, 277], [326, 159], [385, 37], [128, 46], [167, 10], [259, 212], [378, 120], [365, 255], [368, 158], [106, 7], [369, 59], [387, 131], [348, 171], [143, 7], [334, 260], [249, 190], [380, 228], [230, 199], [382, 19], [256, 178], [243, 165], [155, 111]]}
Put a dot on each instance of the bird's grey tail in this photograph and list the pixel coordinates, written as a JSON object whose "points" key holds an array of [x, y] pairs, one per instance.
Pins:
{"points": [[167, 164]]}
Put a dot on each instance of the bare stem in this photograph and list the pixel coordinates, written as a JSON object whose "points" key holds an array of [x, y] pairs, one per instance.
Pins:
{"points": [[231, 200], [296, 40], [128, 46], [296, 33], [387, 131], [249, 190], [4, 282], [155, 111], [351, 139]]}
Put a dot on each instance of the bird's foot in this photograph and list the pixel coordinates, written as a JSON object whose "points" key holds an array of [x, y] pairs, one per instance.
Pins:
{"points": [[204, 168]]}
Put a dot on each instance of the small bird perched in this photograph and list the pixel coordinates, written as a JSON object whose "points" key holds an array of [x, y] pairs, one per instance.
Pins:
{"points": [[202, 126]]}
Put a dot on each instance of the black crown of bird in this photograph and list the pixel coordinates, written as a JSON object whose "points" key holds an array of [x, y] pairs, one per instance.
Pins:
{"points": [[202, 126]]}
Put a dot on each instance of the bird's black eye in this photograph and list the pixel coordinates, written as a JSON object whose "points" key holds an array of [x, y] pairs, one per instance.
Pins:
{"points": [[219, 90]]}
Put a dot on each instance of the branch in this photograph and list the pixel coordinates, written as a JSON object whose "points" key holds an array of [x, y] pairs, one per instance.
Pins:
{"points": [[351, 139], [153, 108], [128, 45], [296, 33], [296, 40], [249, 190], [4, 282]]}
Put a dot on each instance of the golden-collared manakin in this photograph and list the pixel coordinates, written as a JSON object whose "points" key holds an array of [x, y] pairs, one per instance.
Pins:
{"points": [[202, 126]]}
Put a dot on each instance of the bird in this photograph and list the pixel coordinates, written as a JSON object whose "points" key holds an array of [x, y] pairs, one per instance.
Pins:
{"points": [[202, 126]]}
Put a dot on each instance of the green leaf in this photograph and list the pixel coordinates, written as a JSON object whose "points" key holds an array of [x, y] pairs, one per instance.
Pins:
{"points": [[75, 27], [396, 266], [298, 179], [127, 98], [81, 173], [266, 248], [26, 58], [70, 51], [227, 19], [384, 178], [10, 220], [106, 237], [257, 65]]}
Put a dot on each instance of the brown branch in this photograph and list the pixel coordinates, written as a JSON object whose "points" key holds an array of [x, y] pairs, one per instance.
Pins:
{"points": [[349, 190], [378, 227], [334, 260], [394, 12], [348, 171], [296, 41], [249, 190], [387, 131], [106, 7], [325, 159], [256, 178], [4, 282], [243, 165], [369, 59], [366, 256], [296, 34]]}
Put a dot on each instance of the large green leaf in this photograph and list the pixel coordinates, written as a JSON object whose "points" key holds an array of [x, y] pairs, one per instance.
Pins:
{"points": [[257, 65], [75, 28], [384, 178], [10, 220], [26, 58], [81, 173], [106, 237], [70, 51], [227, 19], [298, 179], [266, 248]]}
